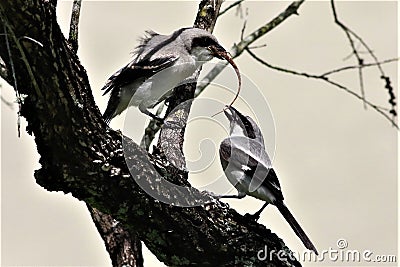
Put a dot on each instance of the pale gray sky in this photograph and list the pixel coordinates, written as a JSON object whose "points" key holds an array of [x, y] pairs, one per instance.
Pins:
{"points": [[337, 162]]}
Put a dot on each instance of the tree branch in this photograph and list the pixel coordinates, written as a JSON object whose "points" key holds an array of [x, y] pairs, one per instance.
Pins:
{"points": [[74, 25], [81, 155], [350, 35], [325, 78], [365, 65], [236, 3], [12, 81], [124, 250], [238, 49]]}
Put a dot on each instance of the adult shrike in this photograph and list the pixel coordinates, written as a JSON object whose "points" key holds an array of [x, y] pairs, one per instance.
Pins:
{"points": [[161, 62], [248, 168]]}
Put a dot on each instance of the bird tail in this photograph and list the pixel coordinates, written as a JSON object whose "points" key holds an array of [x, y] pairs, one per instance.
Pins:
{"points": [[108, 115], [113, 106], [295, 226]]}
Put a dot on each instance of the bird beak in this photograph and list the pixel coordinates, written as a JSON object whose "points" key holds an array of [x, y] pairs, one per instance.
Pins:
{"points": [[218, 51], [229, 112]]}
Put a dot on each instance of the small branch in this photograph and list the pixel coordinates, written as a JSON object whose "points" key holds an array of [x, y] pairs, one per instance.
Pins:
{"points": [[14, 78], [325, 79], [230, 7], [355, 51], [73, 28], [365, 65], [244, 24], [257, 46], [22, 55], [151, 130], [350, 35], [124, 250], [238, 49]]}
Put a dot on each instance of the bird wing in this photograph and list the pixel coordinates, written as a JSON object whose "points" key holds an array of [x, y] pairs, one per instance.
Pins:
{"points": [[142, 69], [145, 41], [249, 155]]}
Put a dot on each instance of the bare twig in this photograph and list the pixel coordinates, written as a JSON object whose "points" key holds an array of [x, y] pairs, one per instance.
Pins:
{"points": [[351, 36], [355, 67], [257, 46], [355, 52], [23, 56], [19, 101], [244, 24], [325, 79], [73, 28], [238, 49], [151, 130], [230, 7]]}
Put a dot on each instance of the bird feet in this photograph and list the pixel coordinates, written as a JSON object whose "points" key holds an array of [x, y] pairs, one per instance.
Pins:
{"points": [[253, 217]]}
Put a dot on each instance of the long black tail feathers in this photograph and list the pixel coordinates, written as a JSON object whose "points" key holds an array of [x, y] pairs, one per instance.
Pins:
{"points": [[295, 226], [108, 114]]}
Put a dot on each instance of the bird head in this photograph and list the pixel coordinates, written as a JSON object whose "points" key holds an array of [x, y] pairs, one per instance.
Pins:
{"points": [[236, 121], [201, 44], [242, 125]]}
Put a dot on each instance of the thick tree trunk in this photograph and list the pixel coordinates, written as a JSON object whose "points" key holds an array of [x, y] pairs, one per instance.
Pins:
{"points": [[81, 155]]}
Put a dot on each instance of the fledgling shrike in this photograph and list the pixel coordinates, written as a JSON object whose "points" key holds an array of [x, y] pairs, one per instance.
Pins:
{"points": [[248, 168], [161, 63]]}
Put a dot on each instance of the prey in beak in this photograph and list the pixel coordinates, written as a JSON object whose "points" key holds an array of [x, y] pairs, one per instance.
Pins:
{"points": [[219, 52]]}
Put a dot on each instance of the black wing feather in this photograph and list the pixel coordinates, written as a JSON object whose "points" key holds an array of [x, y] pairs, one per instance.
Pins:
{"points": [[243, 151], [140, 70]]}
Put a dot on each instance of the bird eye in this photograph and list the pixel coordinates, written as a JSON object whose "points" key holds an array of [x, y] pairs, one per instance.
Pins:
{"points": [[204, 41]]}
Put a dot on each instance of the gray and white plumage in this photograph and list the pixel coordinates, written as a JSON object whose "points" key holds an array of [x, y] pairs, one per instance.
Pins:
{"points": [[248, 168], [161, 62]]}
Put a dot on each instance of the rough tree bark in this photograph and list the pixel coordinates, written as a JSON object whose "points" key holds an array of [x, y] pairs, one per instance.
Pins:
{"points": [[81, 155]]}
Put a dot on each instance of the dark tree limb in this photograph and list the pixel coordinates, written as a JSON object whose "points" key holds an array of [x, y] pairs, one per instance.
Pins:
{"points": [[81, 155], [74, 24], [124, 249]]}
